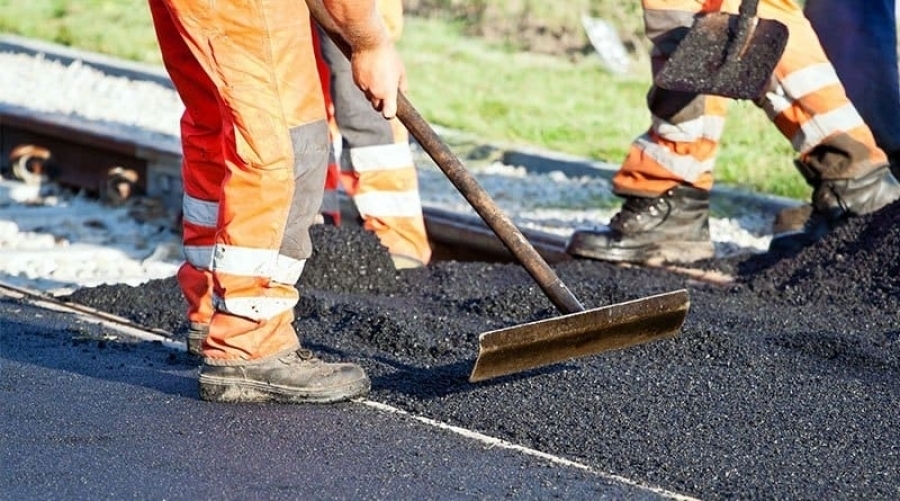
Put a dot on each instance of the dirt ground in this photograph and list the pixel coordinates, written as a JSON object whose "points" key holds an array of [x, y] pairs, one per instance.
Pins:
{"points": [[782, 385], [537, 28]]}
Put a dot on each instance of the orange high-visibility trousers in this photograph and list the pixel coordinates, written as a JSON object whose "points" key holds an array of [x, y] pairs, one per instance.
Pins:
{"points": [[376, 166], [255, 146], [805, 101]]}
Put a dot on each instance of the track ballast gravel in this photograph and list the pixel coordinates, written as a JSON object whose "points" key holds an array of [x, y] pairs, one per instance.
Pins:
{"points": [[783, 385]]}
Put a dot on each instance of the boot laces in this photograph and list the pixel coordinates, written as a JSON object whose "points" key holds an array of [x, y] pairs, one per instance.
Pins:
{"points": [[302, 355], [635, 208]]}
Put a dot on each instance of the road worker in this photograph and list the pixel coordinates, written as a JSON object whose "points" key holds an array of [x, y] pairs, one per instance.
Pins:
{"points": [[375, 166], [667, 175], [255, 146]]}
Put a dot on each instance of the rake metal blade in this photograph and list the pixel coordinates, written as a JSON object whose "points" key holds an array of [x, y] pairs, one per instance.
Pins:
{"points": [[545, 342]]}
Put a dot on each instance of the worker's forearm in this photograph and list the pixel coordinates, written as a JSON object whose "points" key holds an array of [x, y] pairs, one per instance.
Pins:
{"points": [[358, 22]]}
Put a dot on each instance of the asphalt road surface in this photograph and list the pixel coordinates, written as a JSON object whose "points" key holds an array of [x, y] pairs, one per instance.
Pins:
{"points": [[781, 385], [88, 413]]}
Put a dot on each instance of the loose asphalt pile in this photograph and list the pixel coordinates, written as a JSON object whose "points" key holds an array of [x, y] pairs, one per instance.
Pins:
{"points": [[782, 385]]}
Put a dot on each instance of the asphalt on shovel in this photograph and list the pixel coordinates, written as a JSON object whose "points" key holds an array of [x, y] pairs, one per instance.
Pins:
{"points": [[726, 55], [578, 332]]}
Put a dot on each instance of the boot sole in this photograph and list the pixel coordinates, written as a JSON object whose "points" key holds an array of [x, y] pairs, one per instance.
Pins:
{"points": [[226, 390], [671, 251]]}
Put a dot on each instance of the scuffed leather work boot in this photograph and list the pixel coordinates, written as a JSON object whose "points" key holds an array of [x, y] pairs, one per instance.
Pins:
{"points": [[293, 377], [833, 202], [672, 227]]}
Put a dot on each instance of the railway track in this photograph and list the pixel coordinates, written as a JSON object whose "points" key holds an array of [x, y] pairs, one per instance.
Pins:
{"points": [[122, 325], [115, 161], [115, 164]]}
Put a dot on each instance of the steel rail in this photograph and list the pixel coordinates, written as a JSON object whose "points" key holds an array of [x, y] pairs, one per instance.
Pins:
{"points": [[87, 156], [90, 156]]}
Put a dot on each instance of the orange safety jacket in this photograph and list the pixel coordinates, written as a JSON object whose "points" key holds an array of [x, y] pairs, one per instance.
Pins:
{"points": [[255, 148], [805, 101], [375, 163]]}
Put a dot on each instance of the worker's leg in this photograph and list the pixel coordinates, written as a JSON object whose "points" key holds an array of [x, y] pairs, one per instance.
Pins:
{"points": [[201, 139], [377, 167], [837, 151], [258, 55], [667, 174]]}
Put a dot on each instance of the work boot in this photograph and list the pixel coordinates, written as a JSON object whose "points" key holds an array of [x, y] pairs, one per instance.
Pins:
{"points": [[195, 335], [833, 202], [670, 227], [293, 377]]}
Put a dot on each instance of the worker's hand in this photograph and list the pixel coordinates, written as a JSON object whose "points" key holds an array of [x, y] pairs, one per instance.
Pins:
{"points": [[380, 73], [357, 27]]}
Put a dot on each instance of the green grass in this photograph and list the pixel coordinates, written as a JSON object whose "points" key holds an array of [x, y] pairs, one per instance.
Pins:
{"points": [[461, 82], [120, 28]]}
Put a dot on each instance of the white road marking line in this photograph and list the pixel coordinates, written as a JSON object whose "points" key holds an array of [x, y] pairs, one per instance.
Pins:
{"points": [[492, 442]]}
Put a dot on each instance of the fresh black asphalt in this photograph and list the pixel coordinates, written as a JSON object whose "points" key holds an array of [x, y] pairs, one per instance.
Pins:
{"points": [[90, 415], [781, 385]]}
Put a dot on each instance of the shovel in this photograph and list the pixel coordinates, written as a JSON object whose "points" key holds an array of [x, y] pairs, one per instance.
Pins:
{"points": [[578, 332], [726, 55]]}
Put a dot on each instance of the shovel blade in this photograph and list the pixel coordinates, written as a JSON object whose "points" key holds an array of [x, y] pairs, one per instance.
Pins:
{"points": [[711, 59], [545, 342]]}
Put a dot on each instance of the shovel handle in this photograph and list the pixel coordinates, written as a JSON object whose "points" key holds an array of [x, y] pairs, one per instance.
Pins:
{"points": [[748, 8], [746, 24], [554, 288]]}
